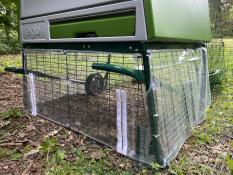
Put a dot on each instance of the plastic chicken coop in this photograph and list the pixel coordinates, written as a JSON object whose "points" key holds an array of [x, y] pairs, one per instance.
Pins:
{"points": [[131, 74]]}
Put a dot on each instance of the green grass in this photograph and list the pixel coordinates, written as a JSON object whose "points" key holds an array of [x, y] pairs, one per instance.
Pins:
{"points": [[11, 114], [229, 55], [5, 120], [85, 160], [216, 131], [9, 61]]}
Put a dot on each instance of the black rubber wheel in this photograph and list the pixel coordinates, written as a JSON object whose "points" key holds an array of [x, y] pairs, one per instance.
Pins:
{"points": [[94, 84]]}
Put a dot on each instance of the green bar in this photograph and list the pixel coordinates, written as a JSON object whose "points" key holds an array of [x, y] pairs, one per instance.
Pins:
{"points": [[107, 26], [155, 146], [136, 74]]}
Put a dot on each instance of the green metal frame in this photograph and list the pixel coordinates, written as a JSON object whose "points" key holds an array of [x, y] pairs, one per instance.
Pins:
{"points": [[123, 47], [155, 146], [136, 74]]}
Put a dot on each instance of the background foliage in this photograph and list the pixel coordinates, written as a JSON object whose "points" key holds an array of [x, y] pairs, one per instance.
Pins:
{"points": [[9, 27], [221, 24]]}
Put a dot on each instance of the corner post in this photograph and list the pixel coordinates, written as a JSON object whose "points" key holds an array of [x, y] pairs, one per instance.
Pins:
{"points": [[155, 146]]}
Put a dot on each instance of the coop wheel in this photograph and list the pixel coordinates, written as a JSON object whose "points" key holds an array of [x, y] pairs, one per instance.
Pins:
{"points": [[94, 84]]}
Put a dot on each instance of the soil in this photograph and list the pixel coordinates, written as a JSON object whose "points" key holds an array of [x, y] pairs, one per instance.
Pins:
{"points": [[28, 132], [10, 92]]}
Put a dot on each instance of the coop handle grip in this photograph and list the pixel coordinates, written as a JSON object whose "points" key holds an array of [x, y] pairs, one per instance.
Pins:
{"points": [[14, 70], [136, 74]]}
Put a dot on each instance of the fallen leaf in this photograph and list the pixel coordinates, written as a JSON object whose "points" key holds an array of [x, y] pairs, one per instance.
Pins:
{"points": [[30, 128], [4, 123], [81, 142], [70, 137], [53, 133], [22, 135], [97, 155], [32, 152], [122, 165]]}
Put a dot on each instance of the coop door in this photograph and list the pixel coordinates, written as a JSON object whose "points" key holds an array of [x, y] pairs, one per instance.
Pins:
{"points": [[101, 95]]}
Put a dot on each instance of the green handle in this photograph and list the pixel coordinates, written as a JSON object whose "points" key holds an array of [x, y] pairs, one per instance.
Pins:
{"points": [[14, 70], [136, 74], [22, 71]]}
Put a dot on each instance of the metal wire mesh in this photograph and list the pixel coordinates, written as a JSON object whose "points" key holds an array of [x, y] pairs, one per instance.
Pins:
{"points": [[62, 97], [216, 47], [181, 86], [179, 81], [222, 26]]}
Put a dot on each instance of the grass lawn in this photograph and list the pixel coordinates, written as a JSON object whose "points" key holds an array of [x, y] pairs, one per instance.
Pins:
{"points": [[30, 145], [9, 61]]}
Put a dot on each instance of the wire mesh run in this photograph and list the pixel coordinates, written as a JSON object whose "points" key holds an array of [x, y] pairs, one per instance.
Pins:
{"points": [[216, 47], [181, 88], [222, 26], [61, 80], [97, 94]]}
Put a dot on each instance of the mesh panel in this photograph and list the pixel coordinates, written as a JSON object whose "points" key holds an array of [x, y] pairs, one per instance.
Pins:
{"points": [[216, 47], [222, 26], [180, 84], [112, 108], [62, 96]]}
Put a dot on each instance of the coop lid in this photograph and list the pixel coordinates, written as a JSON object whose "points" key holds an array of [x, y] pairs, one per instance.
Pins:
{"points": [[111, 25], [30, 8], [168, 21], [178, 20]]}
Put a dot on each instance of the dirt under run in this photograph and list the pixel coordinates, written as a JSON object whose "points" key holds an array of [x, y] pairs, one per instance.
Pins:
{"points": [[10, 91]]}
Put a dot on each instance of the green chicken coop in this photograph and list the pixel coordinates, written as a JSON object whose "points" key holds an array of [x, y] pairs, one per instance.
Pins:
{"points": [[131, 74]]}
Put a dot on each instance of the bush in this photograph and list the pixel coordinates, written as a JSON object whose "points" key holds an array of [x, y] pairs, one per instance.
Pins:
{"points": [[13, 48]]}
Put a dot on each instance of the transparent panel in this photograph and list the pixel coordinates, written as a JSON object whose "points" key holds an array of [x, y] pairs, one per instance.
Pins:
{"points": [[181, 87]]}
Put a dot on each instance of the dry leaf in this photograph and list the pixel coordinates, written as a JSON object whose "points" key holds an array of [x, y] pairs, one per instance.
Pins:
{"points": [[30, 128], [122, 165], [4, 123], [22, 135], [97, 155], [32, 152], [53, 133]]}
